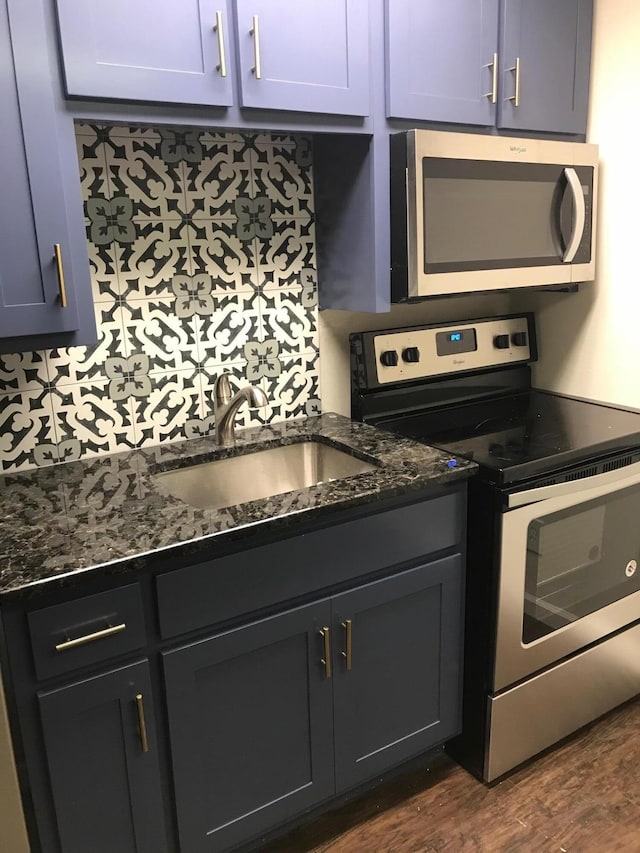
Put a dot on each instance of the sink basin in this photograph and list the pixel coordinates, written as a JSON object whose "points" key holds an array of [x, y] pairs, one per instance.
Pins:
{"points": [[261, 474]]}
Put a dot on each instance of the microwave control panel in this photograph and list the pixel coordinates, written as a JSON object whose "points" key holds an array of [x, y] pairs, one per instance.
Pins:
{"points": [[424, 352]]}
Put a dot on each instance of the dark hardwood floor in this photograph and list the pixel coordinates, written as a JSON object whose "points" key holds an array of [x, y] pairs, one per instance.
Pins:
{"points": [[583, 796]]}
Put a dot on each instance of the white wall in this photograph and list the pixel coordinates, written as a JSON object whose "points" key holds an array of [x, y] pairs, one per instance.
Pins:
{"points": [[590, 341]]}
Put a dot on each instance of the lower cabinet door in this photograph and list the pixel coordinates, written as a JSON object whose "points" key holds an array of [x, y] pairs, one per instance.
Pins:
{"points": [[103, 763], [251, 727], [397, 680]]}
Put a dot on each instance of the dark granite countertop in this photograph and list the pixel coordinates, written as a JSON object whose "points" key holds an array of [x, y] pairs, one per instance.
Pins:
{"points": [[108, 513]]}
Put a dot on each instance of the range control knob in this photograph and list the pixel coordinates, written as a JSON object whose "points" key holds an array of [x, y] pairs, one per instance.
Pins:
{"points": [[501, 341], [519, 339], [389, 358], [411, 355]]}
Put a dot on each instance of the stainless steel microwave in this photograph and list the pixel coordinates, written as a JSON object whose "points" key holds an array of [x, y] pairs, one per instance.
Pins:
{"points": [[473, 213]]}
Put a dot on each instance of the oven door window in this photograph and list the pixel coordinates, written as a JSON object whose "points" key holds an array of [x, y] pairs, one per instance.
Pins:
{"points": [[488, 215], [579, 560]]}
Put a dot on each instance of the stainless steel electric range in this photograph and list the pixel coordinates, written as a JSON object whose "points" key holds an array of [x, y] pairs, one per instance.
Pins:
{"points": [[552, 634]]}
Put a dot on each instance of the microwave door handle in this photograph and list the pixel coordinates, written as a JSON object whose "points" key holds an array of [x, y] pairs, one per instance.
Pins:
{"points": [[579, 218], [621, 477]]}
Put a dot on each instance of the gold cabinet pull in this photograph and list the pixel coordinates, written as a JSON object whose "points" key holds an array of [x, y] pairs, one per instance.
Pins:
{"points": [[493, 94], [348, 627], [218, 29], [516, 96], [326, 660], [89, 638], [57, 254], [255, 32], [142, 725]]}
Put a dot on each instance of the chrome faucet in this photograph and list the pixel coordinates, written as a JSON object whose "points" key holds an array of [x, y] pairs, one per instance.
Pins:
{"points": [[225, 406]]}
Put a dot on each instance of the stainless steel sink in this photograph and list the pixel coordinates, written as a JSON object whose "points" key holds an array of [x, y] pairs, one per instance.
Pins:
{"points": [[261, 474]]}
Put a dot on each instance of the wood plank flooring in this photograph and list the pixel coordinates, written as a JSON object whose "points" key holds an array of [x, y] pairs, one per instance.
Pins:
{"points": [[582, 797]]}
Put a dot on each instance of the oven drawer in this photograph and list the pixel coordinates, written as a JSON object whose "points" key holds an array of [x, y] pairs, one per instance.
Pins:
{"points": [[537, 713], [86, 631]]}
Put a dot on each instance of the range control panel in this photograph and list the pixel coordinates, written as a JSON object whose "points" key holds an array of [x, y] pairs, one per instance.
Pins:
{"points": [[426, 351]]}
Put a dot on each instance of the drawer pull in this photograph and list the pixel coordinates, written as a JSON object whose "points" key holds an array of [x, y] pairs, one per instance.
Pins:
{"points": [[142, 724], [57, 254], [348, 626], [89, 638], [326, 660]]}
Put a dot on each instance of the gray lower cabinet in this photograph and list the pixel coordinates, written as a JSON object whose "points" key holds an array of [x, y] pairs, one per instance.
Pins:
{"points": [[102, 760], [401, 694], [252, 711], [251, 728]]}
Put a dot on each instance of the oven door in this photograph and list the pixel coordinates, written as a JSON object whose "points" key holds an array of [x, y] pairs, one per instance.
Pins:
{"points": [[569, 570]]}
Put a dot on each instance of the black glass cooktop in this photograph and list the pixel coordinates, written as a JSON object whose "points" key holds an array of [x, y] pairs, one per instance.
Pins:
{"points": [[524, 435]]}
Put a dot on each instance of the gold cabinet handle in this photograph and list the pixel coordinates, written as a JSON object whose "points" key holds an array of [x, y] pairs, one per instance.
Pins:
{"points": [[516, 96], [57, 254], [493, 94], [142, 725], [348, 627], [326, 660], [222, 65], [255, 32], [89, 638]]}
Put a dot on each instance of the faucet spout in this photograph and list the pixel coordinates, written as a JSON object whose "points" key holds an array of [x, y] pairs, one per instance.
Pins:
{"points": [[226, 406]]}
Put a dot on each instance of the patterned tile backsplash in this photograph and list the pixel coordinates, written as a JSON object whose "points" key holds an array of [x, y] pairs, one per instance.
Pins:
{"points": [[202, 253]]}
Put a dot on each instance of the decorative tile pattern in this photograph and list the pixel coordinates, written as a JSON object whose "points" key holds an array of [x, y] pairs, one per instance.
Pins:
{"points": [[174, 400], [26, 421], [202, 254], [223, 335], [100, 422], [154, 327], [73, 365], [293, 392]]}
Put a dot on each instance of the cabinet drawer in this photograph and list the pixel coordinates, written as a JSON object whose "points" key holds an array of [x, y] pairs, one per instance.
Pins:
{"points": [[202, 595], [86, 631]]}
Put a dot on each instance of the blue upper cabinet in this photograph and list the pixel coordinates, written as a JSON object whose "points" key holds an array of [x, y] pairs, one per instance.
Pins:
{"points": [[37, 286], [311, 57], [545, 61], [155, 50], [446, 62], [440, 60]]}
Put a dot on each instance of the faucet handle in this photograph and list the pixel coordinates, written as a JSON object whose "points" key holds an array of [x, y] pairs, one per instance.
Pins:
{"points": [[222, 390]]}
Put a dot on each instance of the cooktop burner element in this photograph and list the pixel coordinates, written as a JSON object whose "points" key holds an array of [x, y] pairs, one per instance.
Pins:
{"points": [[526, 434]]}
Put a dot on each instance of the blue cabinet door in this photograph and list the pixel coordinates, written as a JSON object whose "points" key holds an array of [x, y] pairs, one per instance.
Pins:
{"points": [[105, 785], [545, 56], [251, 728], [311, 56], [440, 60], [150, 50], [399, 691], [32, 201]]}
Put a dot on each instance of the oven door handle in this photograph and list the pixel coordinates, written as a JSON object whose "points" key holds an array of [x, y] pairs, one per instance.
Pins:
{"points": [[621, 478]]}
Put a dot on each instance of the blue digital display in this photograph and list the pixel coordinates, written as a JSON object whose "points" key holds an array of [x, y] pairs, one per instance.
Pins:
{"points": [[455, 336]]}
